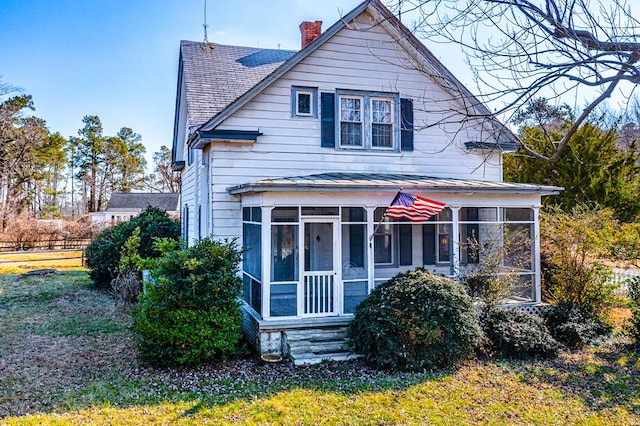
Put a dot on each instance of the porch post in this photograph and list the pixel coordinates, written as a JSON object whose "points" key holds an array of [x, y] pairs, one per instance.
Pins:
{"points": [[370, 259], [266, 260], [455, 241], [536, 254]]}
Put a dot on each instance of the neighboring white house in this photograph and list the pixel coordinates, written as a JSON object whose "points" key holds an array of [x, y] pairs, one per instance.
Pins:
{"points": [[297, 154], [125, 206]]}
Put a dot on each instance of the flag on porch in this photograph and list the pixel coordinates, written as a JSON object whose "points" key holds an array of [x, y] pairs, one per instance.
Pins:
{"points": [[413, 207]]}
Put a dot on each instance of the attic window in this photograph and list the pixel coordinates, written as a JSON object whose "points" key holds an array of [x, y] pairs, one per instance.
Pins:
{"points": [[304, 101]]}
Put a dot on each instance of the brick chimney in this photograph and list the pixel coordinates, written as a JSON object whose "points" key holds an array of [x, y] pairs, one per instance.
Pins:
{"points": [[309, 31]]}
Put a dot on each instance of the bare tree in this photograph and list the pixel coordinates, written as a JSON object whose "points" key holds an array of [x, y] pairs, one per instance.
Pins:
{"points": [[523, 50], [164, 178]]}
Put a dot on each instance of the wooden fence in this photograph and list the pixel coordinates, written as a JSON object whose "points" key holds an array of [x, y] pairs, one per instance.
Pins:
{"points": [[623, 276], [42, 259], [44, 244]]}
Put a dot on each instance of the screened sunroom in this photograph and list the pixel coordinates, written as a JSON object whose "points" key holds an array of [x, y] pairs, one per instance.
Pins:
{"points": [[316, 246]]}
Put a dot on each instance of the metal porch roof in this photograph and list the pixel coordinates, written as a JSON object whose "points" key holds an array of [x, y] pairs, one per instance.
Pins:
{"points": [[371, 182]]}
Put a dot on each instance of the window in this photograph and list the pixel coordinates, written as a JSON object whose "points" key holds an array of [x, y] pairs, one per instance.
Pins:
{"points": [[304, 102], [371, 121], [381, 123], [351, 121], [368, 121], [185, 223]]}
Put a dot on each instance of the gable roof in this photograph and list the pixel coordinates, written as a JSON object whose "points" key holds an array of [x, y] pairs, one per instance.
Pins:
{"points": [[213, 112], [140, 200], [215, 75]]}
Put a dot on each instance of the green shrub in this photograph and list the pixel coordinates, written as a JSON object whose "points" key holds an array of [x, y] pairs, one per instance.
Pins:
{"points": [[103, 253], [570, 242], [633, 324], [575, 326], [415, 321], [190, 313], [513, 333]]}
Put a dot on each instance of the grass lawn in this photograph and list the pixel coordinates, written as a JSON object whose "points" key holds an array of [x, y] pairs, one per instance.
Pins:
{"points": [[67, 355], [63, 260]]}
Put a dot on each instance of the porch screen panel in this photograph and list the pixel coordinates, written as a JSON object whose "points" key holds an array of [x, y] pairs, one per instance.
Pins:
{"points": [[252, 246], [283, 300], [478, 227], [284, 253], [354, 251], [252, 290], [252, 257], [354, 293], [518, 239]]}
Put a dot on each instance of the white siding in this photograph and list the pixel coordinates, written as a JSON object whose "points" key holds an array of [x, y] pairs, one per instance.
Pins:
{"points": [[291, 146]]}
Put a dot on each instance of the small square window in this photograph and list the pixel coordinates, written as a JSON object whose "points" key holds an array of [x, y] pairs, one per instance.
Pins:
{"points": [[303, 102]]}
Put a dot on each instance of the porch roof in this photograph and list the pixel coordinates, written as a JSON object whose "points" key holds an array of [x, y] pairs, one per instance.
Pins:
{"points": [[375, 182]]}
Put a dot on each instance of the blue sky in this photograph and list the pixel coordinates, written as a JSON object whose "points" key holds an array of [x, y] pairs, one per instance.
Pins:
{"points": [[118, 58]]}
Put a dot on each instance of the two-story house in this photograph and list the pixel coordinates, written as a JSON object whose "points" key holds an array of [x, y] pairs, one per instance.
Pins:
{"points": [[298, 154]]}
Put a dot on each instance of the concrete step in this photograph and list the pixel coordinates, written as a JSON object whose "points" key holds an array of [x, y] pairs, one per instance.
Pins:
{"points": [[332, 346], [314, 345], [310, 359], [317, 334]]}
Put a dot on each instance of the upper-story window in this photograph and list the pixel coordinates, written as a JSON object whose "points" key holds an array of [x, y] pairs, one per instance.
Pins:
{"points": [[381, 123], [368, 121], [304, 101], [351, 121]]}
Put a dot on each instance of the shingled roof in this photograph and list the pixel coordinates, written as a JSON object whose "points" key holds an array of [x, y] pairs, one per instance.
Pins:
{"points": [[215, 75], [140, 200]]}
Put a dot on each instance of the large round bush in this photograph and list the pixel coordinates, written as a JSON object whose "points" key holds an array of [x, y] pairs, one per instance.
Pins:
{"points": [[513, 333], [415, 321], [190, 312], [575, 325], [103, 253]]}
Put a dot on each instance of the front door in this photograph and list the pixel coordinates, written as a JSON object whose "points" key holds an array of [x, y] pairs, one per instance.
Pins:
{"points": [[320, 284]]}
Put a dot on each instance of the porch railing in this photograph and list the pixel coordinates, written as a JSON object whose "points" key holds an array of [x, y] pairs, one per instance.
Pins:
{"points": [[319, 293]]}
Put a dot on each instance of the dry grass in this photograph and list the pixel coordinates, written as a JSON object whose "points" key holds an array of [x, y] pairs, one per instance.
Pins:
{"points": [[68, 356], [63, 260]]}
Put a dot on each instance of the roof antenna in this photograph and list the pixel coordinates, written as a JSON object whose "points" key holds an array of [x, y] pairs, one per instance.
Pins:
{"points": [[206, 42], [399, 10]]}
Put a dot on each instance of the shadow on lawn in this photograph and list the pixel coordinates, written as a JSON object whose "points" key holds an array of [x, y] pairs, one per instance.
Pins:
{"points": [[603, 377]]}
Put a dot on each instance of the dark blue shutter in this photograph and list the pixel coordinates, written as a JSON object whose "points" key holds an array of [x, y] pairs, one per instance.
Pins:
{"points": [[328, 121], [406, 131]]}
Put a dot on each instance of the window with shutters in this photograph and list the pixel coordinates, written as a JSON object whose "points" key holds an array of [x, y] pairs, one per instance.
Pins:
{"points": [[369, 121]]}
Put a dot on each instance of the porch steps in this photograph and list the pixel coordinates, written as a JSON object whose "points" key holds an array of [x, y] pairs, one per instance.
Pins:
{"points": [[314, 345]]}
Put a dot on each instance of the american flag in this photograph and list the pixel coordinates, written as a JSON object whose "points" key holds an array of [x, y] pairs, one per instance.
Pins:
{"points": [[412, 207]]}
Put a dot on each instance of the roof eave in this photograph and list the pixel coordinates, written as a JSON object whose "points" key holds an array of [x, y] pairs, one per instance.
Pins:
{"points": [[487, 146], [200, 139], [176, 117], [323, 187]]}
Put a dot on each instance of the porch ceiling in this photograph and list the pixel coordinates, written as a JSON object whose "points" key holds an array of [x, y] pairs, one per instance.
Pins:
{"points": [[375, 182]]}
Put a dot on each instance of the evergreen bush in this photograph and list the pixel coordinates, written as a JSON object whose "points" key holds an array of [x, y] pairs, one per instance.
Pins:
{"points": [[513, 333], [104, 251], [415, 321], [575, 326], [190, 312]]}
